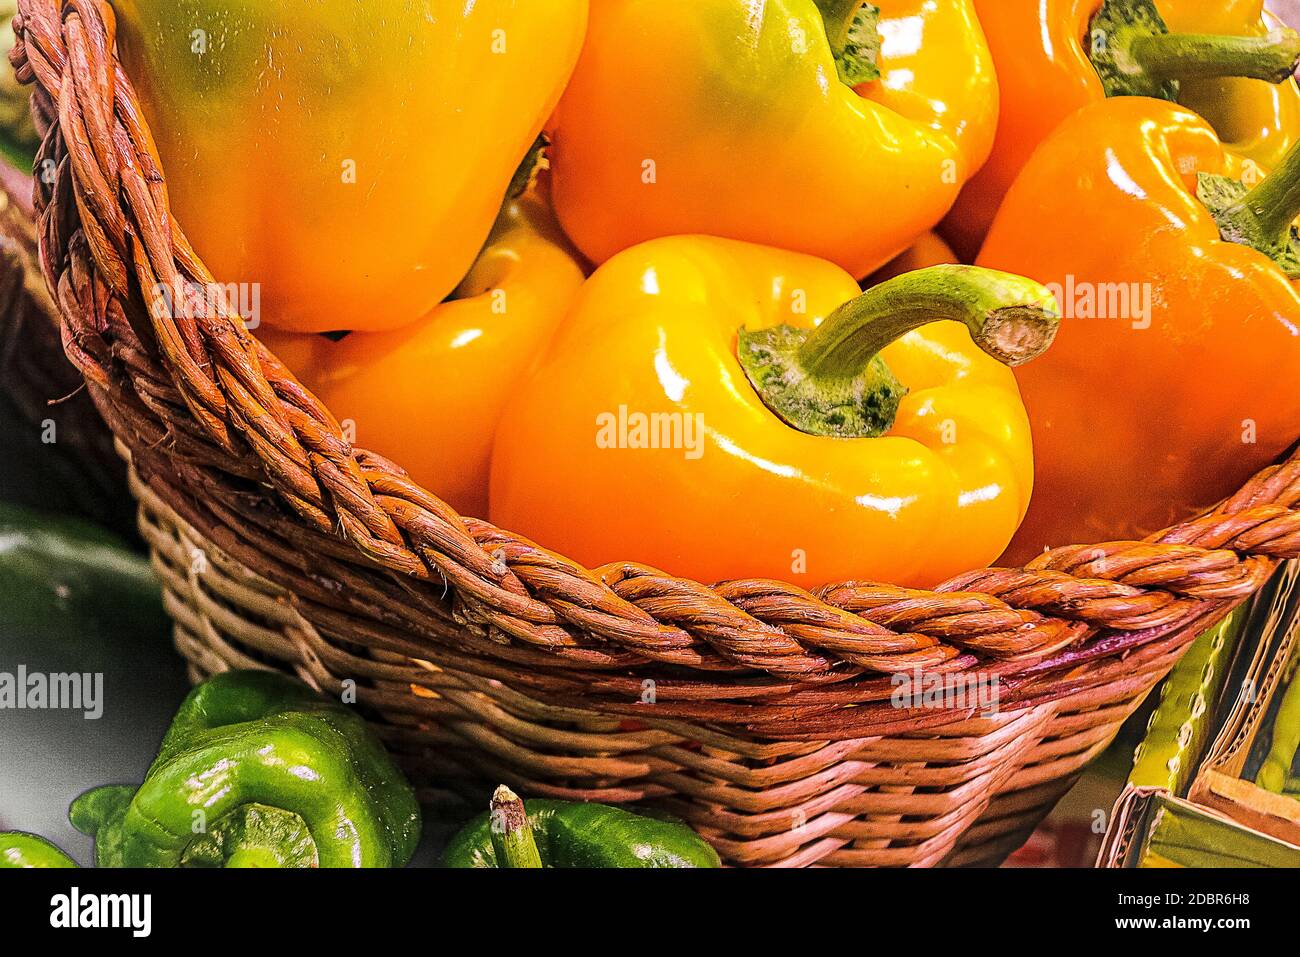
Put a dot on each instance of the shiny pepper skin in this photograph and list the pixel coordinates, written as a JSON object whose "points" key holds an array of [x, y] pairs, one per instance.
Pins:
{"points": [[1256, 120], [735, 492], [257, 770], [1045, 75], [727, 118], [1143, 415], [20, 850], [429, 396], [349, 158], [580, 835]]}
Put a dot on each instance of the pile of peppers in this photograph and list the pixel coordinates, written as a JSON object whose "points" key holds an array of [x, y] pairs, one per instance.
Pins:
{"points": [[808, 290], [749, 290], [259, 771]]}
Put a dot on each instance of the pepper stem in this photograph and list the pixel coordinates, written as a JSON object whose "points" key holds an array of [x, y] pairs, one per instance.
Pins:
{"points": [[832, 381], [839, 16], [1275, 201], [1135, 54], [1185, 56], [1262, 218], [1012, 318], [512, 835], [853, 29]]}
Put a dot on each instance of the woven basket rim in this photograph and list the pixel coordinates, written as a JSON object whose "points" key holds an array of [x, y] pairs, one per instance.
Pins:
{"points": [[966, 793], [209, 392]]}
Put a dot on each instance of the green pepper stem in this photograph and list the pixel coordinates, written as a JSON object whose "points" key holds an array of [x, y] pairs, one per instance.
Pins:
{"points": [[853, 31], [1012, 318], [512, 835], [1185, 56], [831, 381], [1135, 54], [839, 16], [1274, 203]]}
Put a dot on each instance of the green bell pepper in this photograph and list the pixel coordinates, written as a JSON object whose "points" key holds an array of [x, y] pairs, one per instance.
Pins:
{"points": [[18, 849], [559, 834], [257, 770], [64, 578]]}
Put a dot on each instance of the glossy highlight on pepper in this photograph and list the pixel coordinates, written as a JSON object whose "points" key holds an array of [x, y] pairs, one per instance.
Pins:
{"points": [[21, 850], [430, 395], [355, 180], [730, 119], [641, 435], [1146, 413]]}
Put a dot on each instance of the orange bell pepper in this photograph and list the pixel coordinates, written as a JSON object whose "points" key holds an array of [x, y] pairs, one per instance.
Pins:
{"points": [[929, 250], [429, 395], [725, 118], [347, 158], [1045, 53], [688, 416], [1174, 376]]}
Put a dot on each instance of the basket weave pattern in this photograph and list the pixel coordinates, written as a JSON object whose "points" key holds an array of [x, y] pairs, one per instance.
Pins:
{"points": [[757, 710]]}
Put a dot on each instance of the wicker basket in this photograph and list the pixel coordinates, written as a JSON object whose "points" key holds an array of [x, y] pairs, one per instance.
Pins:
{"points": [[40, 390], [758, 711]]}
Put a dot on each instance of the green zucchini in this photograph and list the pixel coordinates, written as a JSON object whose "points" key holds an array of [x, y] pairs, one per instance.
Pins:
{"points": [[1179, 728]]}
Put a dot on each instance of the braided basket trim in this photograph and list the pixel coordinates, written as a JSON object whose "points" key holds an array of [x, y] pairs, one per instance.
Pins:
{"points": [[899, 800]]}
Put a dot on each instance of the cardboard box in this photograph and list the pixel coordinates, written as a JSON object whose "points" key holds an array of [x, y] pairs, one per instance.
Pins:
{"points": [[1152, 828], [1225, 782]]}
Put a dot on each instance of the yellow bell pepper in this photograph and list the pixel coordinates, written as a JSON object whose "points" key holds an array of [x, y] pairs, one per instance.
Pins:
{"points": [[687, 416], [429, 395], [1255, 119], [347, 158], [834, 128]]}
